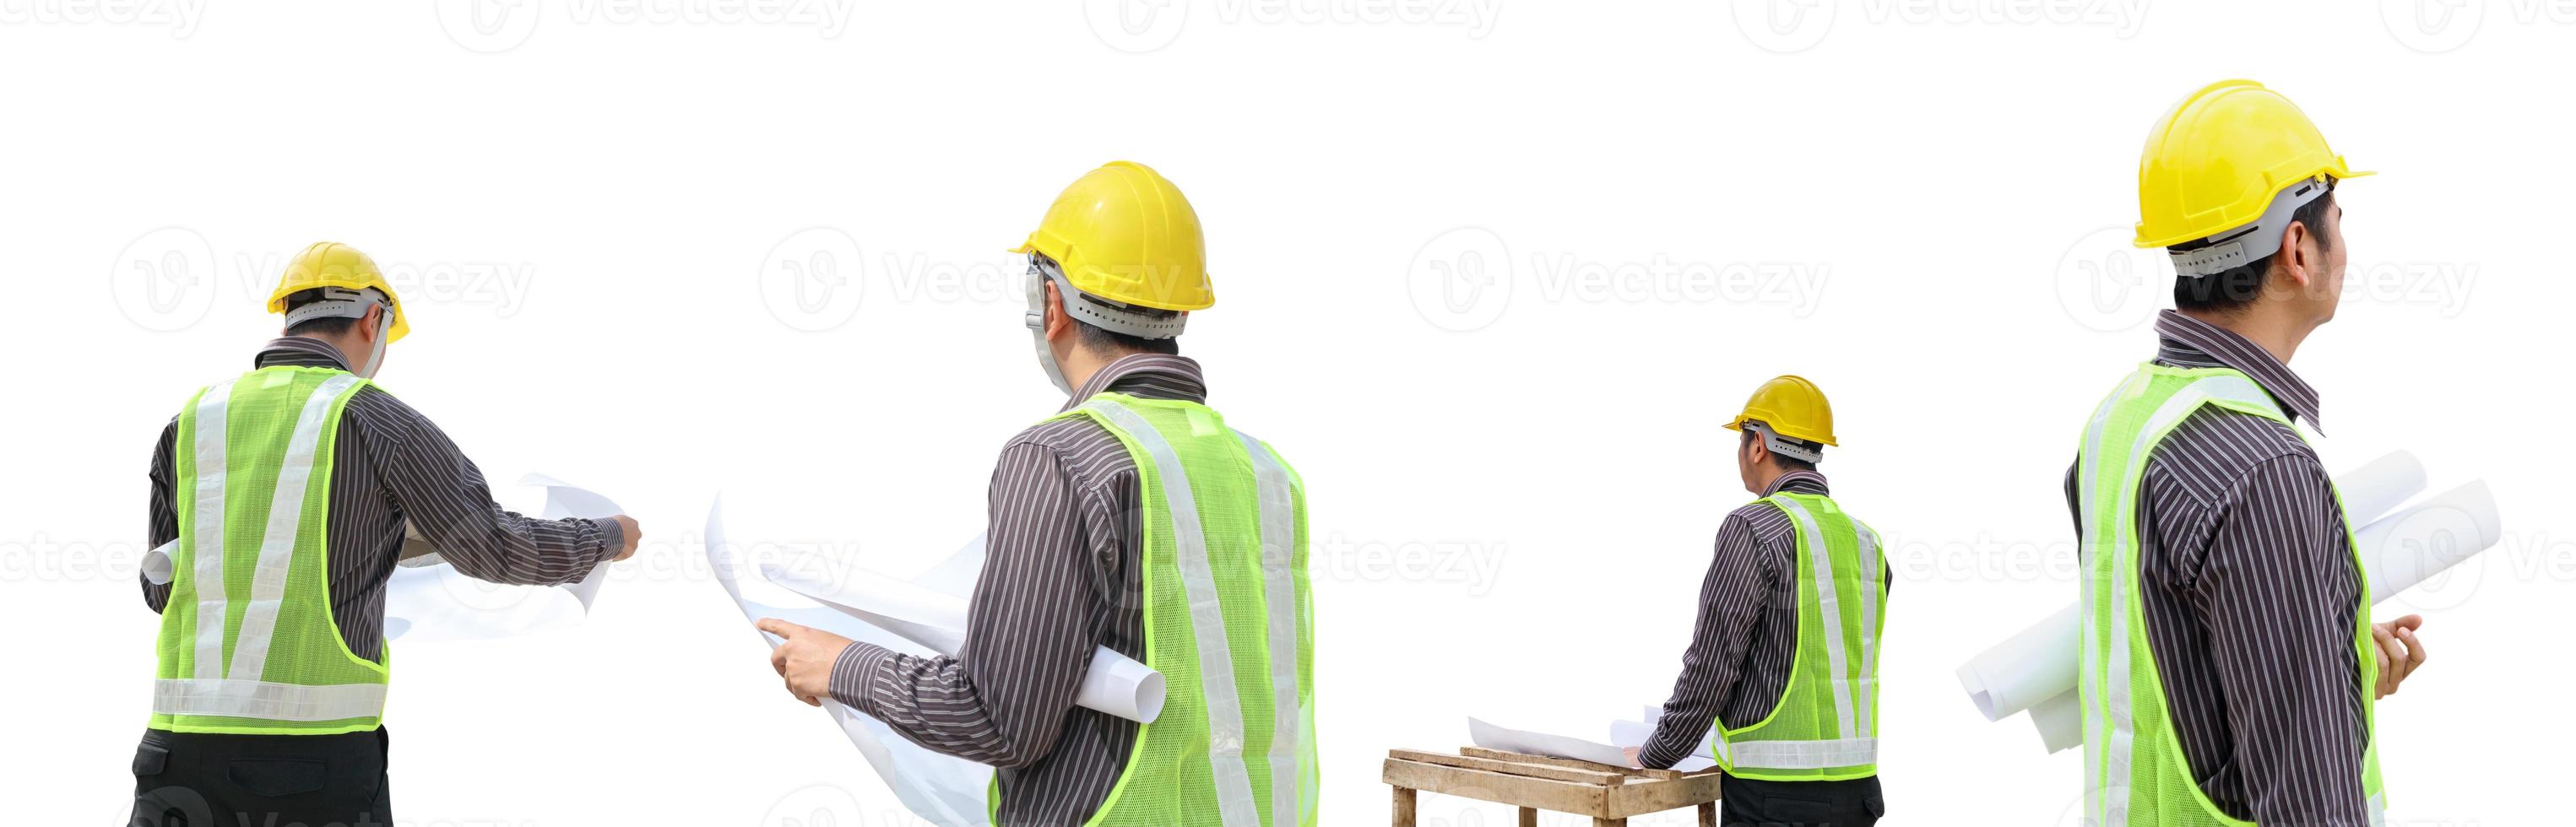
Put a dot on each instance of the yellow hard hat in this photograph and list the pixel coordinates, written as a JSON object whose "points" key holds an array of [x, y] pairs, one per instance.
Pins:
{"points": [[2215, 162], [1124, 233], [1792, 407], [333, 264]]}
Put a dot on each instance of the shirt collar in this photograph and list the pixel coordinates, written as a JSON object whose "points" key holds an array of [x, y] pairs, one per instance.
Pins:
{"points": [[1798, 482], [299, 351], [2192, 343], [1149, 375]]}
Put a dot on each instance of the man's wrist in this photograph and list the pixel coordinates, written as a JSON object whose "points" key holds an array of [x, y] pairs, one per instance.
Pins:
{"points": [[612, 538]]}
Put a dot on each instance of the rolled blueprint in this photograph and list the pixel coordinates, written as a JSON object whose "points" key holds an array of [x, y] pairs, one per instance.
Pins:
{"points": [[1114, 683], [942, 789], [2039, 662], [2398, 552]]}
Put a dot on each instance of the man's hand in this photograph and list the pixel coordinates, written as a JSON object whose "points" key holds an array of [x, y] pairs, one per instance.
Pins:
{"points": [[805, 660], [1631, 753], [2400, 654], [634, 533]]}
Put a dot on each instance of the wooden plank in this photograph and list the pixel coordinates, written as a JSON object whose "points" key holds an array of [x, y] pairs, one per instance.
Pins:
{"points": [[1529, 817], [1569, 763], [1516, 790], [1641, 797], [1404, 801], [1708, 814], [1605, 779]]}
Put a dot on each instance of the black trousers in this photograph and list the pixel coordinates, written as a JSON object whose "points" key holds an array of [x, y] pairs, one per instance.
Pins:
{"points": [[1750, 803], [188, 779]]}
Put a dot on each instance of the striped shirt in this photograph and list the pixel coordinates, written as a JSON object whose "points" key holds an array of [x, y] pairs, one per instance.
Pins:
{"points": [[1737, 666], [2250, 592], [390, 464], [1060, 578]]}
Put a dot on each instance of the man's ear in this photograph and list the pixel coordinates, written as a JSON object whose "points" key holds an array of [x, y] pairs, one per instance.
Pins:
{"points": [[373, 324], [1057, 323], [2298, 261]]}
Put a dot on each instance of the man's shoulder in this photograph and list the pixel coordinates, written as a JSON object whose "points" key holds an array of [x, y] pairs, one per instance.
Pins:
{"points": [[2216, 448], [1083, 448]]}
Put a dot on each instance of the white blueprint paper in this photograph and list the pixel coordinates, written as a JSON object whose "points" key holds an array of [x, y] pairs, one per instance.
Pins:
{"points": [[428, 601], [942, 789], [1525, 742], [1114, 683]]}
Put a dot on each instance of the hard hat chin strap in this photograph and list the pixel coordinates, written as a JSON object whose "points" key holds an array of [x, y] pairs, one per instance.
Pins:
{"points": [[2252, 242], [1036, 320], [1784, 446]]}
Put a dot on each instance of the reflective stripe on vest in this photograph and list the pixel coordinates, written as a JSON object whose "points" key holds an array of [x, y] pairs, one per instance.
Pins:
{"points": [[220, 694], [2111, 624], [1832, 727], [1279, 593], [1237, 805]]}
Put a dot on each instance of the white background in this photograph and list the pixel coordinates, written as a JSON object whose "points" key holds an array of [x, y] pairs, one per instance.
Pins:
{"points": [[1514, 479]]}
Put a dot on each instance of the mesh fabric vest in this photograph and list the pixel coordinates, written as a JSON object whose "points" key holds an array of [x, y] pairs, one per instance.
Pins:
{"points": [[2135, 773], [1825, 725], [247, 643], [1226, 622]]}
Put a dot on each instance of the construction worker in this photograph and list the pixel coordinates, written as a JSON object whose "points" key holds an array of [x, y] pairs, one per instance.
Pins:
{"points": [[1783, 663], [287, 490], [2229, 660], [1135, 519]]}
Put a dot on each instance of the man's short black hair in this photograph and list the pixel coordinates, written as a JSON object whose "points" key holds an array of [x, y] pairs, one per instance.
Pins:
{"points": [[324, 326], [1787, 461], [2236, 287], [1104, 341]]}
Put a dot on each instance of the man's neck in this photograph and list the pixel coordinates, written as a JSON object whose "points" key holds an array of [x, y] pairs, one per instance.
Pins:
{"points": [[2265, 325]]}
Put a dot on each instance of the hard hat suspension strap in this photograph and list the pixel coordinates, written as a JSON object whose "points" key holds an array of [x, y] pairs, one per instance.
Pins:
{"points": [[1784, 446], [1115, 317], [2252, 242]]}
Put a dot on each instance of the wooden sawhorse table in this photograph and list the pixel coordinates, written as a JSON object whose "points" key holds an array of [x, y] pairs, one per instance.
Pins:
{"points": [[1531, 782]]}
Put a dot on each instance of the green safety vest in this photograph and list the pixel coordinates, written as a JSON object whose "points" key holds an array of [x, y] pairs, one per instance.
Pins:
{"points": [[2135, 773], [247, 642], [1825, 725], [1227, 623]]}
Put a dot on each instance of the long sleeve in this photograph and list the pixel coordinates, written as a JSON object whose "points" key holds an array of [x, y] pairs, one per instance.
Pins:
{"points": [[445, 497], [1002, 701], [2276, 593], [164, 510], [1730, 601]]}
